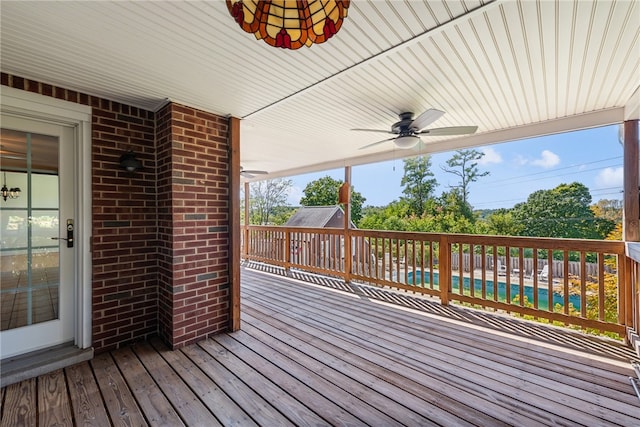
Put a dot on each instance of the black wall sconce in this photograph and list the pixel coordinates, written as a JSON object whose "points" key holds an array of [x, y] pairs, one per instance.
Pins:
{"points": [[129, 162], [11, 193]]}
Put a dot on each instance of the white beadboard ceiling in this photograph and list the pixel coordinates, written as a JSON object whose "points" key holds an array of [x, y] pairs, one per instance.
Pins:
{"points": [[513, 68]]}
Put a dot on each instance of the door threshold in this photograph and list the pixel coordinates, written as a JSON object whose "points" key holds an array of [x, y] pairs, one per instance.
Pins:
{"points": [[40, 362]]}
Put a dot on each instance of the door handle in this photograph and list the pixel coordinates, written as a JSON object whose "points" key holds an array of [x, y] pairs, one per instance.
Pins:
{"points": [[69, 238]]}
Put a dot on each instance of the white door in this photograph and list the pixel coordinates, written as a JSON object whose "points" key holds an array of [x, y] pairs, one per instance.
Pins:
{"points": [[36, 266]]}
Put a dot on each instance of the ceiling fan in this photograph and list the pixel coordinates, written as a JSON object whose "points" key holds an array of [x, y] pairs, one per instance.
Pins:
{"points": [[408, 130], [251, 173]]}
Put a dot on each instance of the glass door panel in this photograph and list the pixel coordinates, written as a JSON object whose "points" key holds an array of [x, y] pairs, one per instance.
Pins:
{"points": [[29, 258]]}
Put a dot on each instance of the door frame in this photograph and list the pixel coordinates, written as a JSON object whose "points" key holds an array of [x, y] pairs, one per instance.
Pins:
{"points": [[38, 107]]}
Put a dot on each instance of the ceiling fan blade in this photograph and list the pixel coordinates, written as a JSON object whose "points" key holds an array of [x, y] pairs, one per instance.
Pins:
{"points": [[247, 175], [452, 130], [426, 118], [254, 172], [376, 143], [372, 130]]}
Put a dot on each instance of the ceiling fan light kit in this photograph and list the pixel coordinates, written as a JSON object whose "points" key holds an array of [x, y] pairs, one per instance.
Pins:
{"points": [[290, 24], [406, 142]]}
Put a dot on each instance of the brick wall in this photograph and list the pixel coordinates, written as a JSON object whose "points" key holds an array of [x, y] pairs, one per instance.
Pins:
{"points": [[125, 256], [193, 206], [160, 235]]}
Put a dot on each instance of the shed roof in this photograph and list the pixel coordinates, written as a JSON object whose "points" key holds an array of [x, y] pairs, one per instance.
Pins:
{"points": [[314, 216]]}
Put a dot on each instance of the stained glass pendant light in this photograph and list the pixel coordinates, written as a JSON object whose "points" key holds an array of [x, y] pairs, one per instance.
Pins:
{"points": [[290, 24]]}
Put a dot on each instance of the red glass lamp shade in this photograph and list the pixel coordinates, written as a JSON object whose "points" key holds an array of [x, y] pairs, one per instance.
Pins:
{"points": [[290, 24]]}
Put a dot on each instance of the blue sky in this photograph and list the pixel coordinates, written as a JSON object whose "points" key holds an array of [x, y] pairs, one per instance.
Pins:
{"points": [[516, 169]]}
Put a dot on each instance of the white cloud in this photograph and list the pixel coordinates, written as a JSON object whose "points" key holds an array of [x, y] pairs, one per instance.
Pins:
{"points": [[490, 156], [609, 177], [548, 159], [520, 160]]}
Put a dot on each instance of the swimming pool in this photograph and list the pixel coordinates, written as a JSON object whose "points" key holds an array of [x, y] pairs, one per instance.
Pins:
{"points": [[543, 295]]}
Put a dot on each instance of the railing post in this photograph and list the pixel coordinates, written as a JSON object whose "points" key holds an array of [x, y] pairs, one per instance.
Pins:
{"points": [[444, 269], [287, 251], [246, 220], [625, 286]]}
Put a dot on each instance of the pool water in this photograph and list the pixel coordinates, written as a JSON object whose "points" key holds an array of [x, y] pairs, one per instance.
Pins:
{"points": [[543, 295]]}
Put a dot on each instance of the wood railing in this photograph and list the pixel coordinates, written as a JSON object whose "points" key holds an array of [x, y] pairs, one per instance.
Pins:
{"points": [[633, 278], [571, 282]]}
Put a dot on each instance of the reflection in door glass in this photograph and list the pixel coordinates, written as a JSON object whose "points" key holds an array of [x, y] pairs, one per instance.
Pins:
{"points": [[29, 261]]}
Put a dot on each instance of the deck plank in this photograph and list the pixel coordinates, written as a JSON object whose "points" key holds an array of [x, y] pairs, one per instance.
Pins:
{"points": [[379, 394], [322, 354], [291, 408], [186, 403], [88, 407], [156, 407], [20, 404], [259, 409], [119, 402], [431, 397], [303, 370], [318, 309], [208, 391], [547, 387], [307, 395], [53, 401]]}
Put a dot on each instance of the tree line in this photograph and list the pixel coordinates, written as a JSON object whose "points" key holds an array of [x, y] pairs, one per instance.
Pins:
{"points": [[565, 211]]}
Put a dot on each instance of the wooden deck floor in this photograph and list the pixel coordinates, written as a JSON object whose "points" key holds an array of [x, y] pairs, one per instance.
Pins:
{"points": [[311, 355]]}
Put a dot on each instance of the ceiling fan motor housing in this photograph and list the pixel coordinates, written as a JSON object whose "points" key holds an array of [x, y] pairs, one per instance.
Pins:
{"points": [[403, 127]]}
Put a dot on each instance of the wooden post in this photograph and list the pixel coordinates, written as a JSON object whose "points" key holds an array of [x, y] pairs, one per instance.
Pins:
{"points": [[631, 203], [234, 223], [444, 269], [347, 225], [247, 199], [630, 301]]}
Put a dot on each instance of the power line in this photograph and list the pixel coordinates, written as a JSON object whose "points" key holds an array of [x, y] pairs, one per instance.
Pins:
{"points": [[524, 199], [556, 169]]}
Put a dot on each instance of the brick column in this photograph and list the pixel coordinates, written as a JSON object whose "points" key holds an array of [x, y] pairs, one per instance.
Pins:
{"points": [[193, 222]]}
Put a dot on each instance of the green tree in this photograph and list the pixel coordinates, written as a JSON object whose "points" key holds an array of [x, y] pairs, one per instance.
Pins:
{"points": [[418, 182], [501, 223], [265, 197], [324, 192], [561, 212], [380, 217], [464, 165]]}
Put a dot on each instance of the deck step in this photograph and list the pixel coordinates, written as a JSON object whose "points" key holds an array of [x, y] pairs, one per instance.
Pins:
{"points": [[30, 365]]}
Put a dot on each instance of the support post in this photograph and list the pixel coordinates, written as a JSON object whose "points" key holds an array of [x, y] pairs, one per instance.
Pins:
{"points": [[348, 250], [234, 223], [247, 199], [631, 202]]}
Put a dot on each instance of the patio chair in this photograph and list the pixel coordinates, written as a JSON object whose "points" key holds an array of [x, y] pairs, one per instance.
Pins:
{"points": [[544, 273], [502, 270]]}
